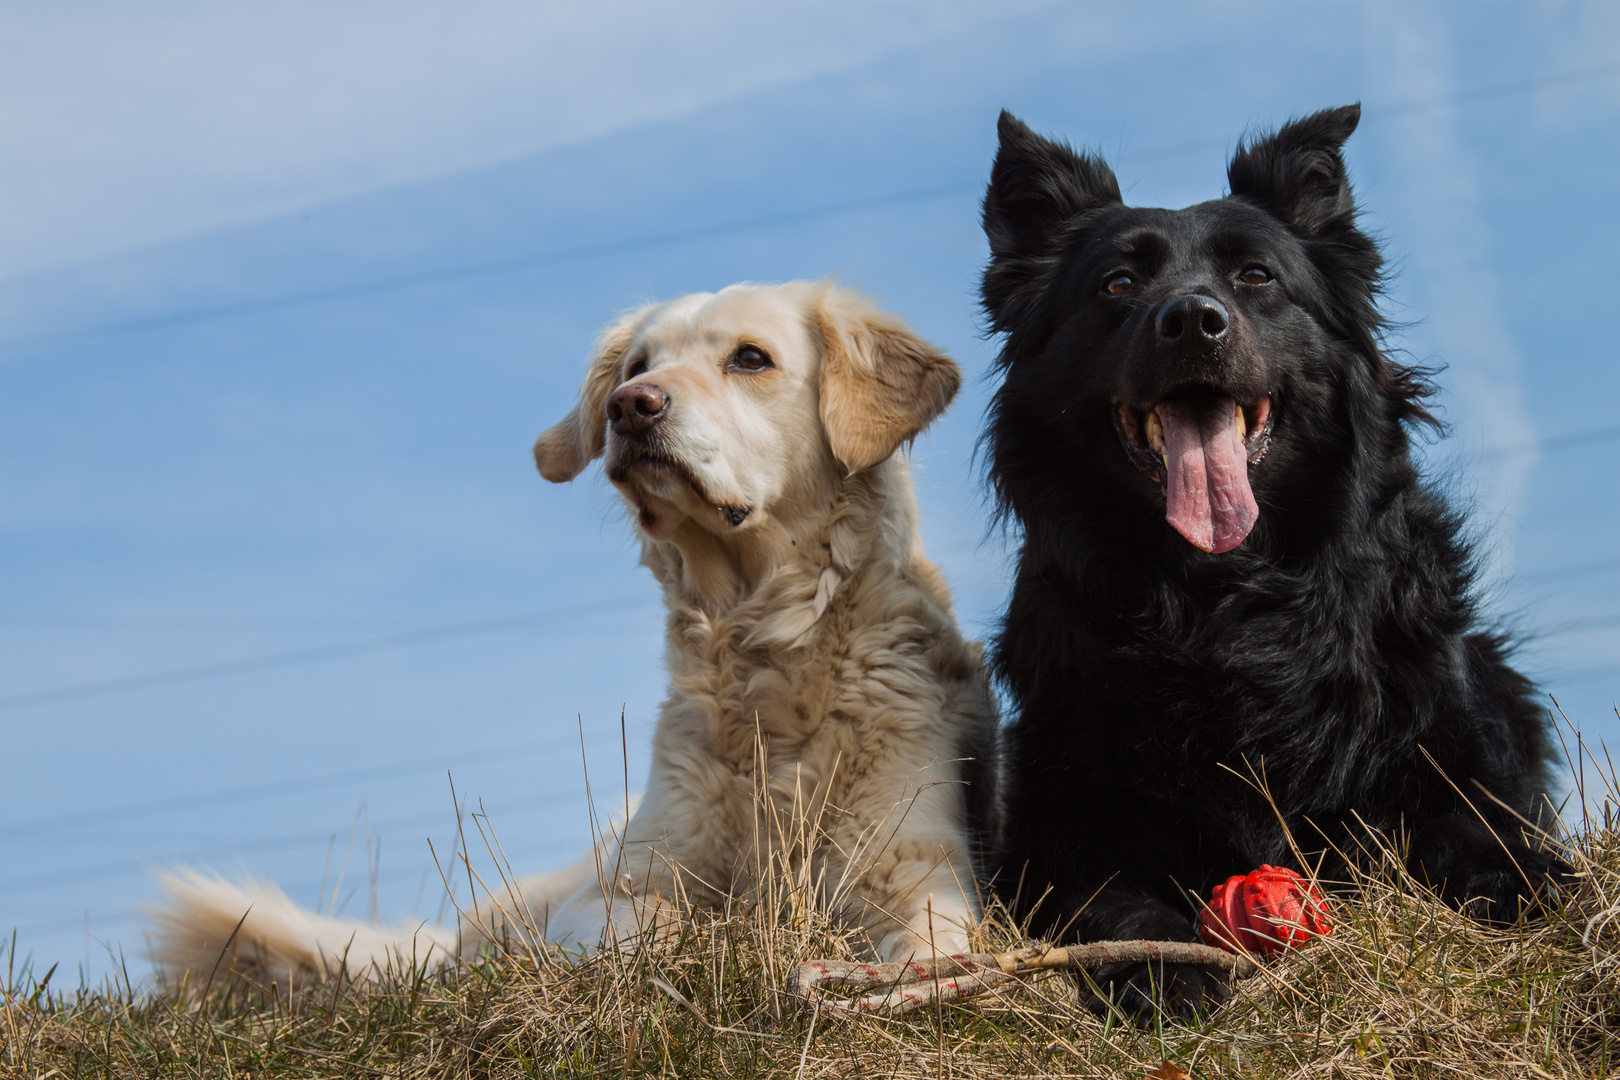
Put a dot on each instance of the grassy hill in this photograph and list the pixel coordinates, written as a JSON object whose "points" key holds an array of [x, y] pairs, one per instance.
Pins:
{"points": [[1404, 988]]}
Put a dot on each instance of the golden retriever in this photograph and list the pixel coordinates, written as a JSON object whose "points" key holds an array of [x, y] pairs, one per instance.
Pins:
{"points": [[824, 717]]}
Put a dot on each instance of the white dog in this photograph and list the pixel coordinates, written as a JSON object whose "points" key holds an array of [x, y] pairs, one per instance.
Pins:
{"points": [[824, 714]]}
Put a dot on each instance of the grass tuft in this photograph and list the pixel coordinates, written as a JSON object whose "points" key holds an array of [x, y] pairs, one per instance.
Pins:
{"points": [[1405, 987]]}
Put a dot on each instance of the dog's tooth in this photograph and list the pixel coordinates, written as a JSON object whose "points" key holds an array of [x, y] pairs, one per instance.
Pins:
{"points": [[1155, 432]]}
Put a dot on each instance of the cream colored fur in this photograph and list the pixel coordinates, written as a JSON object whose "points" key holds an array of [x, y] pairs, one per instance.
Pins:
{"points": [[821, 699]]}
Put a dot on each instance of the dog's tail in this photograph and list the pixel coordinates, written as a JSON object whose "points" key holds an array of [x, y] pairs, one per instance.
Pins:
{"points": [[210, 927]]}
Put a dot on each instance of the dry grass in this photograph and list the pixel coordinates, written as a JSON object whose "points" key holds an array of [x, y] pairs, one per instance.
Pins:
{"points": [[1405, 988]]}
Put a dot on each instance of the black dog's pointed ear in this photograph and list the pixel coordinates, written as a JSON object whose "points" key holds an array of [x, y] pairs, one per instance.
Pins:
{"points": [[1298, 173], [1038, 187]]}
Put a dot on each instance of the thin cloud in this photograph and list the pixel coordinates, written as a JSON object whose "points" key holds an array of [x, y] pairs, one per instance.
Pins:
{"points": [[125, 126]]}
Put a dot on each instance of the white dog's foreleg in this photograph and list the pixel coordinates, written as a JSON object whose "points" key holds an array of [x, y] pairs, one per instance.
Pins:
{"points": [[594, 918], [935, 924]]}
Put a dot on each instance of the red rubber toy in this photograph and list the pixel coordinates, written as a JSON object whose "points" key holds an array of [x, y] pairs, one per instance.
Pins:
{"points": [[1264, 911]]}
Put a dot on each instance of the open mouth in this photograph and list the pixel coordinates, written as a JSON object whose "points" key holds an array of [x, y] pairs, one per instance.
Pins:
{"points": [[1200, 449]]}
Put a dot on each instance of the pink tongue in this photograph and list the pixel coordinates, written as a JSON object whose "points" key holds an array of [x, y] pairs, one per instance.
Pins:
{"points": [[1207, 469]]}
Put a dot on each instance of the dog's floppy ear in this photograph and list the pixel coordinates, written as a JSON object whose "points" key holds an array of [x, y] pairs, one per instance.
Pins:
{"points": [[1298, 174], [563, 450], [881, 384], [1038, 189]]}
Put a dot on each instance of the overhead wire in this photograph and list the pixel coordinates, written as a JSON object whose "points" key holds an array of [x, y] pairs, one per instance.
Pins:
{"points": [[534, 261], [262, 846], [1582, 675], [434, 635], [468, 271], [297, 657], [1552, 442], [1572, 572], [1589, 622], [1510, 88], [396, 872], [718, 230], [508, 624], [297, 785], [106, 917]]}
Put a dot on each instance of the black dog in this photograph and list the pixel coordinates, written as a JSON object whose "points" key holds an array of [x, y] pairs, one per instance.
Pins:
{"points": [[1229, 561]]}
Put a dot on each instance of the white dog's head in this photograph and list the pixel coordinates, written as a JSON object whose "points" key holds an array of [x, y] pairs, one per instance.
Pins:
{"points": [[732, 409]]}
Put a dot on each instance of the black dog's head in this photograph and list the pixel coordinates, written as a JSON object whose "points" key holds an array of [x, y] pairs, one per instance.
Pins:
{"points": [[1212, 368]]}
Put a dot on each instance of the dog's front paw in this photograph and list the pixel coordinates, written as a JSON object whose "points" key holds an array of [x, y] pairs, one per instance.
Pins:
{"points": [[1139, 990], [1509, 889], [1489, 879]]}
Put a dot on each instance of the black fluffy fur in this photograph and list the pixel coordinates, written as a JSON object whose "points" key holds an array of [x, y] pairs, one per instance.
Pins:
{"points": [[1326, 653]]}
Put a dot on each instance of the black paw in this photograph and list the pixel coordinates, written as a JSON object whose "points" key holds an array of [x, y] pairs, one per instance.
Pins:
{"points": [[1525, 886], [1490, 879], [1139, 991]]}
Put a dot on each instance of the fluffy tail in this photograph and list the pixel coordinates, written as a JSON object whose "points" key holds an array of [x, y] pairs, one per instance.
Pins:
{"points": [[210, 927]]}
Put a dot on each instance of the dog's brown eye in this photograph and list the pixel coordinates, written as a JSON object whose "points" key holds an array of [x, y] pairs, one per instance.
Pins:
{"points": [[1255, 275], [638, 366], [1118, 285], [750, 358]]}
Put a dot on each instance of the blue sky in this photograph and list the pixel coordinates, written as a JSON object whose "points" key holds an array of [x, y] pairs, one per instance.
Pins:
{"points": [[307, 532]]}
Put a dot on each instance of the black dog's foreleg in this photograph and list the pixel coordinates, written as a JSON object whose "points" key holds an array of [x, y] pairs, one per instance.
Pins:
{"points": [[1493, 876], [1124, 914]]}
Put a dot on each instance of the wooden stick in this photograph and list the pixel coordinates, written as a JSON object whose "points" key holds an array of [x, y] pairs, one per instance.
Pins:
{"points": [[915, 985]]}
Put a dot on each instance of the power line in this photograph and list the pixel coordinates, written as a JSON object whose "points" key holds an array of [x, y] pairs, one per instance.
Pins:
{"points": [[434, 635], [298, 785], [494, 267], [675, 237], [1579, 675], [1511, 88], [1553, 442], [106, 918], [517, 850], [1566, 573], [271, 789], [222, 623], [296, 657], [580, 252], [266, 845], [1591, 622]]}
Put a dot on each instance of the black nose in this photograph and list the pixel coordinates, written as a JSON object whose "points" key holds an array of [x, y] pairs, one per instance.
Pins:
{"points": [[1193, 319], [636, 407]]}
